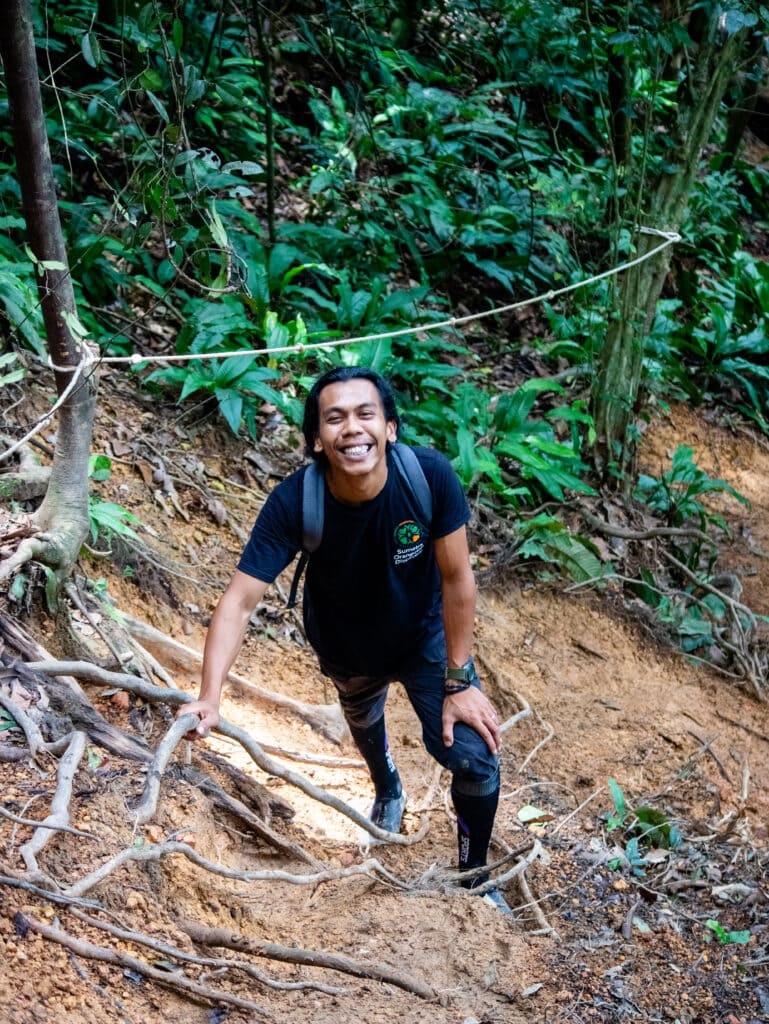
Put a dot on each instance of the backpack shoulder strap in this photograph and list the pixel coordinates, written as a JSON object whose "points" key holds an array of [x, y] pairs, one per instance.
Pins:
{"points": [[413, 475], [313, 493]]}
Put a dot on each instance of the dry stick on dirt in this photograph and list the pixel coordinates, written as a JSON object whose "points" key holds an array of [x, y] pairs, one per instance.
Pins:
{"points": [[60, 804], [313, 958], [221, 963], [371, 868], [239, 810], [324, 718], [45, 824], [115, 956], [176, 698], [543, 925]]}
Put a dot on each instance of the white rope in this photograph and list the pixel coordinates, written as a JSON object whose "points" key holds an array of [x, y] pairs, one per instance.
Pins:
{"points": [[669, 238], [76, 371]]}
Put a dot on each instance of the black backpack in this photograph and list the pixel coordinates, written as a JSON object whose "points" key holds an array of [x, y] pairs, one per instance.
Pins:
{"points": [[313, 490]]}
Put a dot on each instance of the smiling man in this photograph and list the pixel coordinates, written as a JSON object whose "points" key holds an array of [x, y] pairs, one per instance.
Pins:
{"points": [[388, 597]]}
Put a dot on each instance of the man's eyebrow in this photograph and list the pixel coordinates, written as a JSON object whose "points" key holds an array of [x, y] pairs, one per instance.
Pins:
{"points": [[343, 408]]}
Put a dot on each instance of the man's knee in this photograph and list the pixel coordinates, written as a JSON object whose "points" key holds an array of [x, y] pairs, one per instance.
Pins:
{"points": [[468, 757]]}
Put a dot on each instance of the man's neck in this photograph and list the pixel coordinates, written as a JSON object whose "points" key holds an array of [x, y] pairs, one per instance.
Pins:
{"points": [[355, 490]]}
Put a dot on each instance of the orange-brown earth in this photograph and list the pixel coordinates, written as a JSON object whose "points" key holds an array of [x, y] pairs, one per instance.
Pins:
{"points": [[608, 700]]}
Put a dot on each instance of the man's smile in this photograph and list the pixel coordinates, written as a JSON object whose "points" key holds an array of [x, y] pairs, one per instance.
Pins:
{"points": [[354, 451]]}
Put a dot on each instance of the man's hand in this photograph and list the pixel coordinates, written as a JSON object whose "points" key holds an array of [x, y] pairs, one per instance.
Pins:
{"points": [[474, 709], [207, 712]]}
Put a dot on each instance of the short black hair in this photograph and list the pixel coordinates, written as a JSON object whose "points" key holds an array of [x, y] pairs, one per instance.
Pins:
{"points": [[311, 421]]}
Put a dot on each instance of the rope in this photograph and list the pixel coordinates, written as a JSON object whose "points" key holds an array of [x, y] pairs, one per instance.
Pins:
{"points": [[669, 238], [77, 372]]}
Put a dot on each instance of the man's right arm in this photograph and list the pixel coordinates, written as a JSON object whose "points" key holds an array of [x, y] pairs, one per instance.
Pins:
{"points": [[223, 642]]}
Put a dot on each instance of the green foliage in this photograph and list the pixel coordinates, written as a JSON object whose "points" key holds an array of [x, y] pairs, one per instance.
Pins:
{"points": [[641, 826], [724, 937], [106, 518], [677, 494], [546, 538]]}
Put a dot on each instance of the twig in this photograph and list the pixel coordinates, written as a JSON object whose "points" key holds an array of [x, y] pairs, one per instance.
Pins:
{"points": [[327, 719], [204, 961], [741, 725], [707, 749], [45, 824], [60, 804], [371, 868], [544, 926], [542, 742], [118, 957], [657, 531], [295, 955], [575, 812]]}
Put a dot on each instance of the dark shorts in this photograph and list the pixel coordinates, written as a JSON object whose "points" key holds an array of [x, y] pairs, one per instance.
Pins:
{"points": [[363, 702]]}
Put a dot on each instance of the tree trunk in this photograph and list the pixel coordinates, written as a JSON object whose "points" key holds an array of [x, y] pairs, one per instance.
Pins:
{"points": [[619, 376], [63, 514]]}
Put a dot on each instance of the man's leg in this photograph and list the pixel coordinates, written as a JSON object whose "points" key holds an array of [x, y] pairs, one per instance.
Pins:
{"points": [[363, 701], [475, 770]]}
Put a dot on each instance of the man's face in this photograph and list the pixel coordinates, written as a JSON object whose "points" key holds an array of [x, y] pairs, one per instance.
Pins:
{"points": [[353, 431]]}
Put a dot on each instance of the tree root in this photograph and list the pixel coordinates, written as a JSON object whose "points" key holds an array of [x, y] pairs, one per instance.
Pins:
{"points": [[60, 804], [220, 963], [237, 808], [176, 698], [120, 959], [371, 868], [294, 955], [326, 719]]}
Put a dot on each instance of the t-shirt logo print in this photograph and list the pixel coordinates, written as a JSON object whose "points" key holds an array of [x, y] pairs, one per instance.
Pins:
{"points": [[408, 538]]}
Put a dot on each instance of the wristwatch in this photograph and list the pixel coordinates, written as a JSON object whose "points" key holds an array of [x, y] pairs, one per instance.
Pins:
{"points": [[464, 674]]}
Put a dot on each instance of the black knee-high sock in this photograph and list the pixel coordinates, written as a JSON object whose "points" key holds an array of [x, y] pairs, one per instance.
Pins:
{"points": [[372, 743], [475, 822]]}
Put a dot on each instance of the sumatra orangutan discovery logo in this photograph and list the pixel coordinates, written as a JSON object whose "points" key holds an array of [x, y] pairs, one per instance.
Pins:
{"points": [[408, 538]]}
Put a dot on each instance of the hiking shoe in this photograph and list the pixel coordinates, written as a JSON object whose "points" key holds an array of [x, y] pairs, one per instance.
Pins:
{"points": [[387, 813], [495, 899]]}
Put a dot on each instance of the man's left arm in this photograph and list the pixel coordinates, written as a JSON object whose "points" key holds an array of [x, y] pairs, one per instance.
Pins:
{"points": [[458, 594]]}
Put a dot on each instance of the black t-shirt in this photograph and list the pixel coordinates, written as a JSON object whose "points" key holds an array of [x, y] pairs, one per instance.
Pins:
{"points": [[372, 590]]}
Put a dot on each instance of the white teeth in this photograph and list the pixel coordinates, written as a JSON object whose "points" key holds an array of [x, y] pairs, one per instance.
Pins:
{"points": [[359, 449]]}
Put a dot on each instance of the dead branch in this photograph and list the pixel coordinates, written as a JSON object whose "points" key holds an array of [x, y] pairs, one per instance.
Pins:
{"points": [[34, 737], [313, 958], [60, 804], [71, 700], [241, 811], [371, 868], [657, 531], [176, 698], [221, 963], [116, 956], [542, 742], [33, 823], [543, 925], [249, 790], [324, 718]]}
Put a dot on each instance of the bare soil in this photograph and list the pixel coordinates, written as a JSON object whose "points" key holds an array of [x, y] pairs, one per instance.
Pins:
{"points": [[629, 942]]}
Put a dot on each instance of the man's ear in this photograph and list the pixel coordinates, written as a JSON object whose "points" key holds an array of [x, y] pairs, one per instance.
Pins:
{"points": [[392, 431], [316, 445]]}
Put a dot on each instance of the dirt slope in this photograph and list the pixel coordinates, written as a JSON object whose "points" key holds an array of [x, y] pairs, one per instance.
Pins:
{"points": [[630, 944]]}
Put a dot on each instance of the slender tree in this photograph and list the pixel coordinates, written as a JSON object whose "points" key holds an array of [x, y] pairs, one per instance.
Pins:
{"points": [[62, 518], [715, 42]]}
